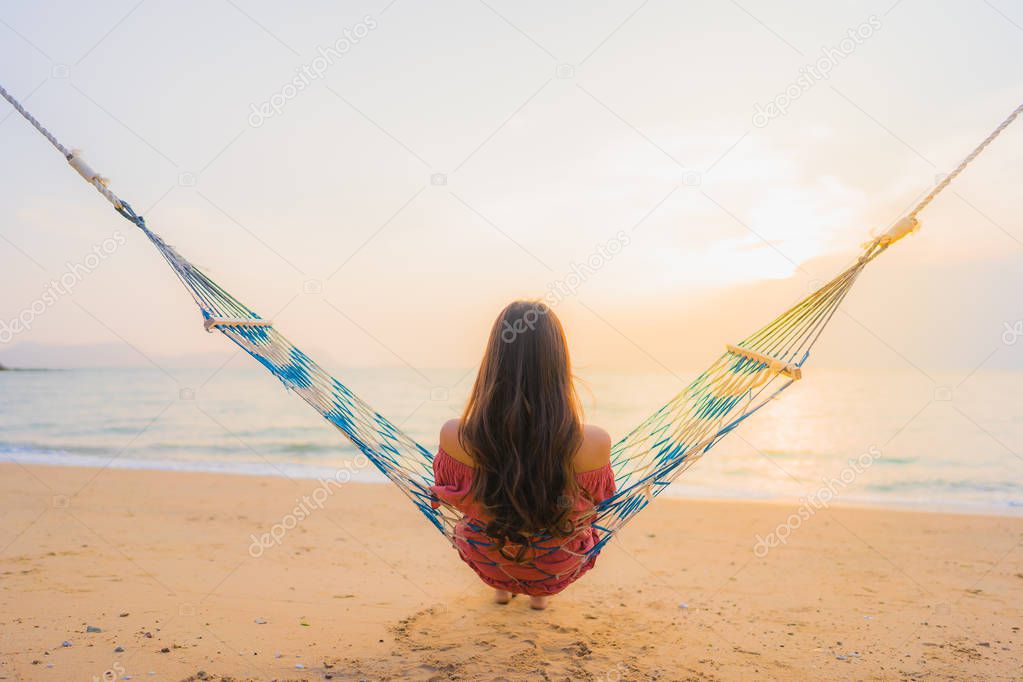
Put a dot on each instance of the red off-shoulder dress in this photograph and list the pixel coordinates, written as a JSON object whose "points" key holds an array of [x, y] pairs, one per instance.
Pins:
{"points": [[551, 565]]}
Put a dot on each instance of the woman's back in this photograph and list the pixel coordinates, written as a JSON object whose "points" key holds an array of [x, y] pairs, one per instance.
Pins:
{"points": [[593, 453], [541, 567], [521, 465]]}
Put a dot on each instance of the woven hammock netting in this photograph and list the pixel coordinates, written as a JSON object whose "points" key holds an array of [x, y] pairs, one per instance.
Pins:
{"points": [[742, 380]]}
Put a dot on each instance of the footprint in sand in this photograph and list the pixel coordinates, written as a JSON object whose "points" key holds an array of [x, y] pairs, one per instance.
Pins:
{"points": [[487, 642]]}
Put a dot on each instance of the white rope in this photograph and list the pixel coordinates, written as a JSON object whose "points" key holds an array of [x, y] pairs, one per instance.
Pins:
{"points": [[73, 157], [909, 223], [92, 177], [32, 119], [922, 204]]}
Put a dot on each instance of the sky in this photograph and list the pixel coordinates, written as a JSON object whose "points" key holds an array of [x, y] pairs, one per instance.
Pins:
{"points": [[380, 178]]}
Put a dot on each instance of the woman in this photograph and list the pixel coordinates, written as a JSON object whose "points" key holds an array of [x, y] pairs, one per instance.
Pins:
{"points": [[520, 465]]}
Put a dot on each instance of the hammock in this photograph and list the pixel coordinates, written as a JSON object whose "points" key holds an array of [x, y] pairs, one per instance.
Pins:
{"points": [[742, 380]]}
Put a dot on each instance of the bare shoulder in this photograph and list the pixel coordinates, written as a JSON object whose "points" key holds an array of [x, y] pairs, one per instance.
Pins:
{"points": [[595, 450], [449, 441]]}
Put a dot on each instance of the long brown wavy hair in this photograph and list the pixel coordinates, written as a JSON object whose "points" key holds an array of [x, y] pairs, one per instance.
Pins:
{"points": [[523, 425]]}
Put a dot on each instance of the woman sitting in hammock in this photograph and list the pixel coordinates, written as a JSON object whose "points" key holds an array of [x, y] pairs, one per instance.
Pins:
{"points": [[521, 466]]}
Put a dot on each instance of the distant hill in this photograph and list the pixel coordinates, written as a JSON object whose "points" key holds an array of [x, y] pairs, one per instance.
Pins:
{"points": [[31, 355]]}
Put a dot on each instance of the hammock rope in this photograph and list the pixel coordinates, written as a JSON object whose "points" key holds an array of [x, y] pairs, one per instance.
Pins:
{"points": [[646, 461], [947, 180]]}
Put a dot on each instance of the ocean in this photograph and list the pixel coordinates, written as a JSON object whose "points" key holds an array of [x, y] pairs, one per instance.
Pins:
{"points": [[891, 439]]}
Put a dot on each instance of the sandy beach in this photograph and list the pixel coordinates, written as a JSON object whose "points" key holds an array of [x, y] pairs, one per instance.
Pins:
{"points": [[153, 575]]}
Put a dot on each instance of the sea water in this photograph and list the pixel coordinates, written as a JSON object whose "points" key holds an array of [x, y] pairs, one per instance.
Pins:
{"points": [[891, 439]]}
